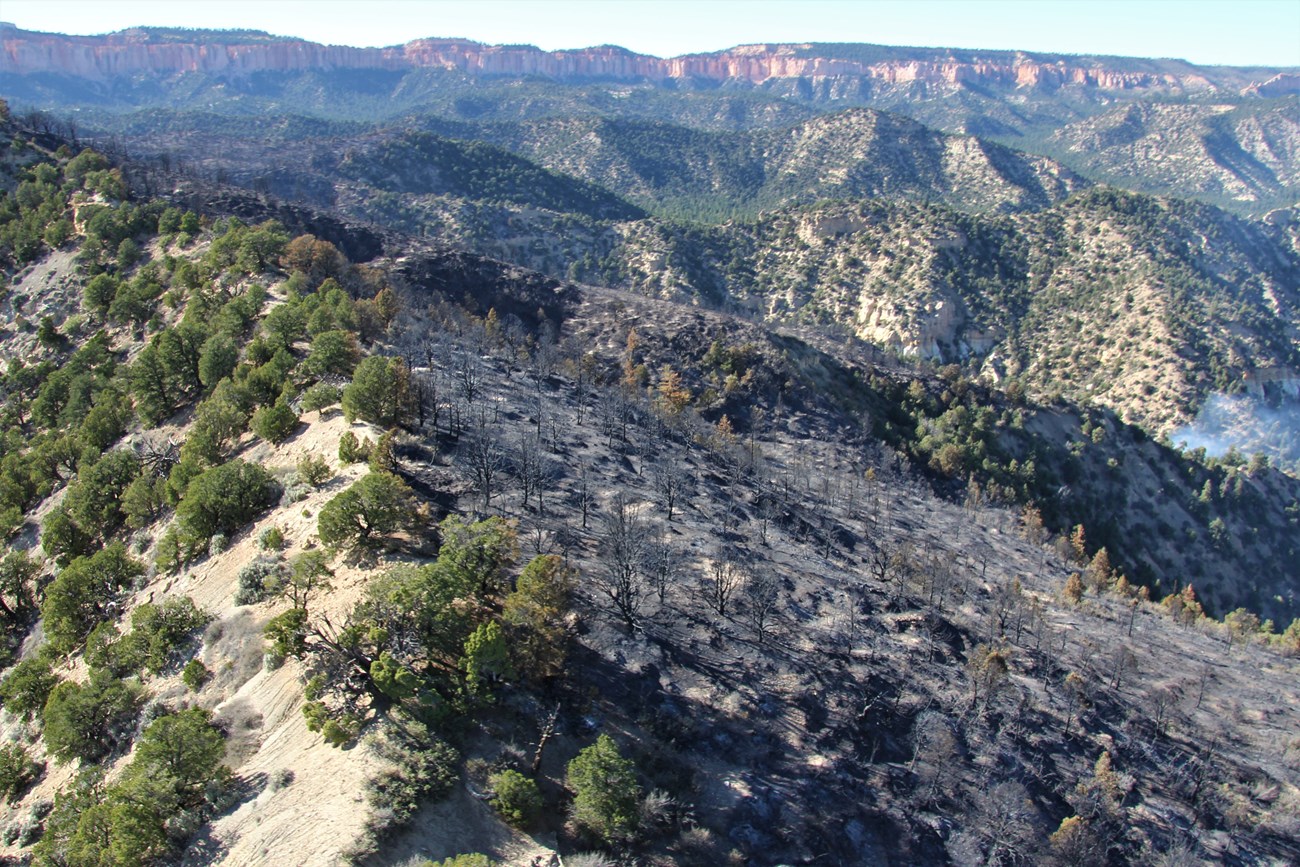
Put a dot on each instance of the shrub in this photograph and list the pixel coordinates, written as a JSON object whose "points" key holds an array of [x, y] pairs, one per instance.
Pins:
{"points": [[589, 859], [339, 733], [606, 794], [517, 798], [27, 829], [295, 489], [276, 423], [314, 470], [337, 729], [318, 397], [260, 579], [271, 539], [195, 674], [222, 500], [17, 771], [423, 768], [473, 859], [90, 721]]}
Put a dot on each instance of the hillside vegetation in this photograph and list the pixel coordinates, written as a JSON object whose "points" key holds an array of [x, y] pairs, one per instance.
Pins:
{"points": [[678, 171], [1237, 154], [1142, 305], [434, 555]]}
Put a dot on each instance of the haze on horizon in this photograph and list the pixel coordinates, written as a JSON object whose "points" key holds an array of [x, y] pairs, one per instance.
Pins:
{"points": [[1212, 32]]}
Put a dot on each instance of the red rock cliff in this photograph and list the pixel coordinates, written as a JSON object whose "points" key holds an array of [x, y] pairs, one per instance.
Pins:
{"points": [[135, 51]]}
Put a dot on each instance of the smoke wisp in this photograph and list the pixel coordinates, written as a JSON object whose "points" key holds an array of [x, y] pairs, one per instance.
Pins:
{"points": [[1249, 425]]}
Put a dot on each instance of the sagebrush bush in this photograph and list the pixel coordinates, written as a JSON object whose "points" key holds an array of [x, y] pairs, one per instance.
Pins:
{"points": [[472, 859], [260, 579], [27, 829], [589, 859], [272, 539], [295, 489]]}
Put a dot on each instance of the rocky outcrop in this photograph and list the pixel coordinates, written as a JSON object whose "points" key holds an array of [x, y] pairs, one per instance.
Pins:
{"points": [[1282, 84], [138, 51]]}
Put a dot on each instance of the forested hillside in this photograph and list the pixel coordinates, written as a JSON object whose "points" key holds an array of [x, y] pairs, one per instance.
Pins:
{"points": [[430, 555]]}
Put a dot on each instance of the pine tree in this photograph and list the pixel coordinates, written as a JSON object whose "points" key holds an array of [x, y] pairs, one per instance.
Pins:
{"points": [[1073, 592], [605, 791], [1079, 544]]}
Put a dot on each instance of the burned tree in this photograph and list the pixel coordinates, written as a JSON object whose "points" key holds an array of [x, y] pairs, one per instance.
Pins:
{"points": [[484, 460], [722, 579], [670, 484], [762, 604], [623, 545]]}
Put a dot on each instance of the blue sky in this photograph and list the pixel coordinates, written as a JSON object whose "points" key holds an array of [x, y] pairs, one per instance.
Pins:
{"points": [[1233, 32]]}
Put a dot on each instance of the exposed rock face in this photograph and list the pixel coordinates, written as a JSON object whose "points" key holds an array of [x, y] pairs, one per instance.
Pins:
{"points": [[1279, 85], [147, 51]]}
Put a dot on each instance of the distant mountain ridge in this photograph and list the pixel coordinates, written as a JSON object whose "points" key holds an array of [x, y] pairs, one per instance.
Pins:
{"points": [[165, 52]]}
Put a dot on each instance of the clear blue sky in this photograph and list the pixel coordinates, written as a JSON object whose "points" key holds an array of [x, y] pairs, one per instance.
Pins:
{"points": [[1232, 32]]}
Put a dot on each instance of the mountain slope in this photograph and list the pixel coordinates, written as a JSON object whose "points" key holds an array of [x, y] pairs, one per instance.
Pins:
{"points": [[1244, 154], [798, 627], [425, 165], [846, 155], [1144, 305]]}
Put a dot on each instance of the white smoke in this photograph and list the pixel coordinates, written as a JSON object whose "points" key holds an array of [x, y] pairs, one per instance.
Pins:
{"points": [[1248, 424]]}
